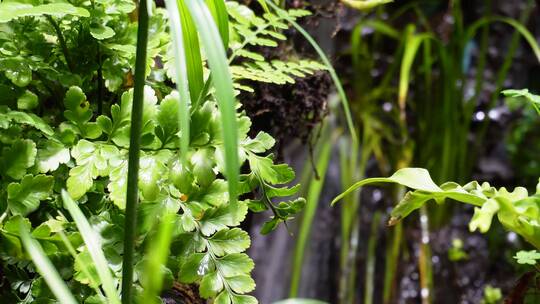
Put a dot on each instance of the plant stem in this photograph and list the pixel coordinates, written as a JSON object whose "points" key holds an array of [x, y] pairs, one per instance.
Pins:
{"points": [[134, 153], [371, 259], [100, 80], [62, 41]]}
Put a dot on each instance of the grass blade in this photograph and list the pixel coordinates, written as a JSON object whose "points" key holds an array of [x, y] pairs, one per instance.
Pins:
{"points": [[312, 199], [182, 74], [326, 62], [46, 268], [132, 195], [191, 49], [218, 9], [93, 243], [85, 268], [412, 45], [222, 81], [525, 33], [371, 259], [156, 256]]}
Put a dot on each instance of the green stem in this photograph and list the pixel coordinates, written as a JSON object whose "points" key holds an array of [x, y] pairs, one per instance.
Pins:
{"points": [[371, 259], [134, 153], [100, 80], [390, 269], [62, 41], [501, 76], [312, 199]]}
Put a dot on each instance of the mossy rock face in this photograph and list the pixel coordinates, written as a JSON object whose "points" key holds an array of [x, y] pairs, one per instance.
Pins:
{"points": [[182, 294]]}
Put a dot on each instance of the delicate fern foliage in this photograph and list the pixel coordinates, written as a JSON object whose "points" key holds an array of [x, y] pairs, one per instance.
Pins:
{"points": [[278, 72], [251, 31], [73, 67]]}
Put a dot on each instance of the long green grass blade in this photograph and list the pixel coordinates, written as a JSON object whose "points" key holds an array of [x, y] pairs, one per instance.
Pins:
{"points": [[132, 195], [326, 62], [371, 259], [218, 9], [191, 49], [471, 32], [182, 74], [224, 92], [46, 268], [93, 243], [356, 36], [85, 268], [312, 199], [156, 257], [412, 45]]}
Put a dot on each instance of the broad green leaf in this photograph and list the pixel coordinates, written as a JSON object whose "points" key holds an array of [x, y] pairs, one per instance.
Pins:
{"points": [[222, 217], [20, 156], [122, 116], [92, 160], [151, 171], [203, 167], [532, 98], [516, 210], [194, 266], [78, 111], [93, 244], [229, 241], [101, 32], [243, 299], [167, 115], [241, 283], [14, 10], [117, 6], [210, 285], [235, 264], [415, 178], [118, 185], [24, 197], [46, 268], [182, 178], [51, 156], [483, 216], [265, 168], [85, 270], [27, 101], [364, 5], [20, 74], [216, 194], [261, 143], [30, 119], [527, 257], [224, 91], [223, 298]]}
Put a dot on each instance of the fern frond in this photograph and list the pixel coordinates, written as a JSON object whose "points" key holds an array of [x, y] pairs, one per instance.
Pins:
{"points": [[276, 71]]}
